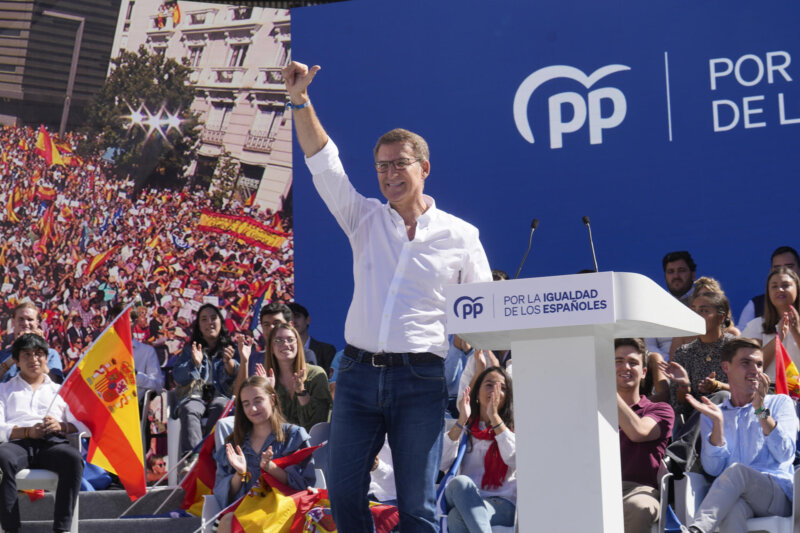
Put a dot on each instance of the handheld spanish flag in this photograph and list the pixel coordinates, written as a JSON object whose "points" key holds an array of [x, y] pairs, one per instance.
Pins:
{"points": [[273, 507], [46, 148], [786, 375], [101, 392], [100, 258]]}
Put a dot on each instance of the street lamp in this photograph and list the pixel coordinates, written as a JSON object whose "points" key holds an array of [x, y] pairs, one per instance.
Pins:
{"points": [[73, 67]]}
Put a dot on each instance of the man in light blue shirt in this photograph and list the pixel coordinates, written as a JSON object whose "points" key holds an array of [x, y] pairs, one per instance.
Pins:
{"points": [[749, 443]]}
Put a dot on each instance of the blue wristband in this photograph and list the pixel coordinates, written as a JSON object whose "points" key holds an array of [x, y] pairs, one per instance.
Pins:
{"points": [[298, 106]]}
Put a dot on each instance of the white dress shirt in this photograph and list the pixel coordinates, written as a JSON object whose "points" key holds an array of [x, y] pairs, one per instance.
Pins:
{"points": [[398, 299], [22, 406]]}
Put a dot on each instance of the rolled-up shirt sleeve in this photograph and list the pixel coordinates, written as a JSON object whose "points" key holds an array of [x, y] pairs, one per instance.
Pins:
{"points": [[781, 440], [715, 458]]}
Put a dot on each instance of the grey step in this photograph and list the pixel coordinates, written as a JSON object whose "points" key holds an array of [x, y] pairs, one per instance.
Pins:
{"points": [[105, 504], [150, 525]]}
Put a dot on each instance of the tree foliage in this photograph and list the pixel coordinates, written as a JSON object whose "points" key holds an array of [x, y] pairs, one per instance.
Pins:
{"points": [[226, 175], [149, 85]]}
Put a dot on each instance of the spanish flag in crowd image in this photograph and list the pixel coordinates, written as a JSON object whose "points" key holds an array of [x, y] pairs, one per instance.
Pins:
{"points": [[786, 375], [101, 392], [46, 148], [272, 507]]}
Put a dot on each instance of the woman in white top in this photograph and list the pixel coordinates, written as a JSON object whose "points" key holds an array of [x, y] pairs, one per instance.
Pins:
{"points": [[485, 491], [780, 310]]}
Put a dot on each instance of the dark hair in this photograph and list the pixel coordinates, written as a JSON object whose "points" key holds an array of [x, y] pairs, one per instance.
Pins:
{"points": [[28, 341], [297, 309], [498, 275], [677, 256], [635, 343], [729, 349], [506, 411], [242, 425], [224, 338], [785, 250], [273, 308], [269, 357], [771, 316]]}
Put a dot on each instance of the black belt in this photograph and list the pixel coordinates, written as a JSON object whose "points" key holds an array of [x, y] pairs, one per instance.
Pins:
{"points": [[390, 358]]}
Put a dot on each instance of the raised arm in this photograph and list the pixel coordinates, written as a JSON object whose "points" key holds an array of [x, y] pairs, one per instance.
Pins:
{"points": [[310, 133]]}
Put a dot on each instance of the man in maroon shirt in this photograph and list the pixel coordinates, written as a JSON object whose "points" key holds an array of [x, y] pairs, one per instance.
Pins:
{"points": [[644, 431]]}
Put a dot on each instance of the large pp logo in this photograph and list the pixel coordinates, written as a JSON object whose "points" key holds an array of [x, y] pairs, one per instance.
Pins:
{"points": [[470, 307], [581, 107]]}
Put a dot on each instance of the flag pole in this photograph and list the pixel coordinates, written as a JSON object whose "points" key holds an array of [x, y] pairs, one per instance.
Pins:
{"points": [[87, 350]]}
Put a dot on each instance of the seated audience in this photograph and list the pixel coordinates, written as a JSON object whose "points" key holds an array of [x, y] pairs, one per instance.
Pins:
{"points": [[323, 351], [302, 388], [696, 369], [25, 319], [749, 443], [204, 374], [780, 311], [680, 271], [485, 491], [381, 478], [644, 431], [33, 438], [783, 256], [259, 436]]}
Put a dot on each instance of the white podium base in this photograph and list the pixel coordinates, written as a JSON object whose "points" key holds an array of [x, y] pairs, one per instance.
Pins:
{"points": [[565, 415]]}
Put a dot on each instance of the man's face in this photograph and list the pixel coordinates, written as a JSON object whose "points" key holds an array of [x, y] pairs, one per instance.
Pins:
{"points": [[301, 323], [26, 320], [32, 363], [629, 369], [402, 188], [786, 260], [270, 321], [678, 277], [744, 369]]}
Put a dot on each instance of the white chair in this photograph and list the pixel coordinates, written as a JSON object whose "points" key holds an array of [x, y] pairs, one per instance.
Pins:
{"points": [[663, 477], [173, 440], [690, 491], [41, 479]]}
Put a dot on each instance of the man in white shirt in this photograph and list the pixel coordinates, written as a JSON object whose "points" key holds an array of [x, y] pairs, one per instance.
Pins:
{"points": [[33, 428], [391, 377]]}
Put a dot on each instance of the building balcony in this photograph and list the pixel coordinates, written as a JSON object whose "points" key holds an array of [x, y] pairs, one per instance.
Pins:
{"points": [[226, 76], [160, 25], [213, 136], [270, 77], [256, 142]]}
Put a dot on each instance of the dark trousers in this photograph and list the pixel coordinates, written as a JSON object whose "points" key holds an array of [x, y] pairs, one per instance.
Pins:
{"points": [[54, 454]]}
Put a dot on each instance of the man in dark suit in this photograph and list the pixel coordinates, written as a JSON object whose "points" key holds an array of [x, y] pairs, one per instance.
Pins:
{"points": [[324, 351]]}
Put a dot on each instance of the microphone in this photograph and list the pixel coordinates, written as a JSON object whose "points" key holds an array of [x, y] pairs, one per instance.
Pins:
{"points": [[591, 242], [534, 225]]}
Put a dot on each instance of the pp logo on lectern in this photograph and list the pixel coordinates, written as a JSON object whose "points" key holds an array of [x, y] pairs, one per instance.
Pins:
{"points": [[580, 108], [470, 307]]}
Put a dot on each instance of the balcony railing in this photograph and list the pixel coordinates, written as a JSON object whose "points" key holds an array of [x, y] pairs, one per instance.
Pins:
{"points": [[270, 76], [259, 143], [228, 75], [213, 136]]}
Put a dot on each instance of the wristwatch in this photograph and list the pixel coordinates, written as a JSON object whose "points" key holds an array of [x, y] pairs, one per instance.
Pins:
{"points": [[763, 413]]}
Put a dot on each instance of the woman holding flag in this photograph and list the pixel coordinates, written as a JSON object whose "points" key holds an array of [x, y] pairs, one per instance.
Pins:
{"points": [[259, 436], [781, 311]]}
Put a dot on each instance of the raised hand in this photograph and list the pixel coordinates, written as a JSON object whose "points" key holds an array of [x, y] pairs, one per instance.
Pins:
{"points": [[197, 353], [299, 380], [245, 345], [228, 359], [464, 409], [297, 78], [675, 372], [762, 388], [709, 384], [706, 407], [236, 458], [266, 458]]}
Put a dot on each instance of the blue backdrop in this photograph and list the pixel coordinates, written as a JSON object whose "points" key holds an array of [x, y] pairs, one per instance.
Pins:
{"points": [[641, 151]]}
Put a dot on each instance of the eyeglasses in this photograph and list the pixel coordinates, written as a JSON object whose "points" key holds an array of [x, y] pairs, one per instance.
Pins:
{"points": [[284, 340], [398, 164], [31, 355]]}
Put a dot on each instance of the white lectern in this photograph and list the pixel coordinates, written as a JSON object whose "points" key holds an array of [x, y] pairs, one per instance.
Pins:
{"points": [[561, 330]]}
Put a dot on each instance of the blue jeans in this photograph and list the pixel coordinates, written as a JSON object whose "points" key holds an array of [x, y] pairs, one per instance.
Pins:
{"points": [[405, 401], [468, 512]]}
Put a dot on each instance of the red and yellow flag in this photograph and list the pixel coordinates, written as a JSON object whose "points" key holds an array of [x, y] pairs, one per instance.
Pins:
{"points": [[100, 258], [101, 392], [12, 215], [201, 478], [272, 507], [46, 148], [786, 375]]}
